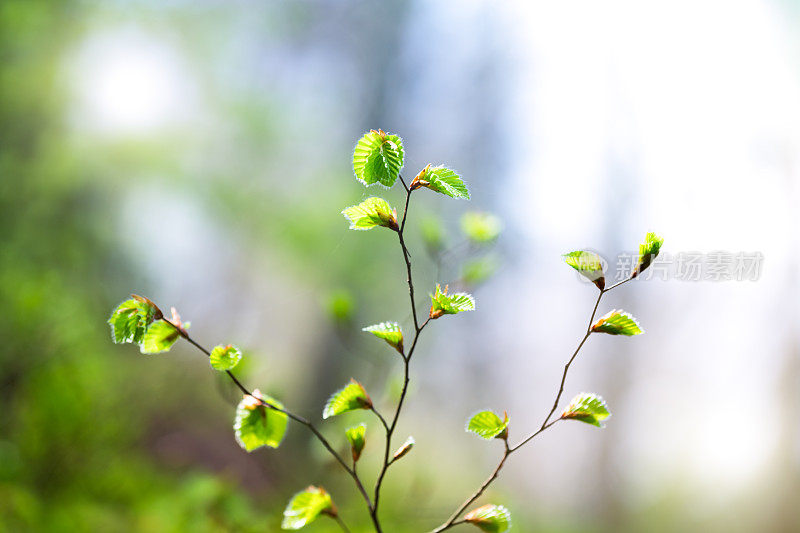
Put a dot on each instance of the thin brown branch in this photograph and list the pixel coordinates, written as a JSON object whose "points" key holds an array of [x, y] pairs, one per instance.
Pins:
{"points": [[390, 428], [453, 520], [297, 418]]}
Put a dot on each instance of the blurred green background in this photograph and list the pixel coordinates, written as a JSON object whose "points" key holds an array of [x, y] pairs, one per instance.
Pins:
{"points": [[199, 153]]}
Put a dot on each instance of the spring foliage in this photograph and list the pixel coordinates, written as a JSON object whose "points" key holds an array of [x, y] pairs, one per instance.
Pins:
{"points": [[261, 421]]}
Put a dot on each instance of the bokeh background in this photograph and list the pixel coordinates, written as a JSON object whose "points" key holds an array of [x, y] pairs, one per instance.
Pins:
{"points": [[199, 153]]}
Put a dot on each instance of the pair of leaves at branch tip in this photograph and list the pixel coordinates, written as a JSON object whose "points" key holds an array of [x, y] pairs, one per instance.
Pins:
{"points": [[356, 436], [588, 408], [404, 449], [488, 425], [130, 320], [306, 506], [225, 357], [257, 425], [490, 518], [480, 228], [378, 158], [450, 304], [589, 265], [617, 322], [442, 180], [648, 251], [388, 331], [351, 397], [370, 213]]}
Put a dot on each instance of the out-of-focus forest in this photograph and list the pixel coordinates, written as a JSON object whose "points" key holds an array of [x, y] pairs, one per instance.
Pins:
{"points": [[200, 153]]}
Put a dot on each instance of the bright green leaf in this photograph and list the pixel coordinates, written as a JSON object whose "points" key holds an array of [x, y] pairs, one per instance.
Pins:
{"points": [[159, 337], [477, 270], [648, 251], [450, 304], [225, 357], [589, 265], [129, 321], [370, 213], [306, 506], [257, 425], [490, 518], [388, 331], [442, 180], [481, 227], [404, 449], [617, 322], [356, 436], [488, 425], [351, 397], [378, 158], [588, 408]]}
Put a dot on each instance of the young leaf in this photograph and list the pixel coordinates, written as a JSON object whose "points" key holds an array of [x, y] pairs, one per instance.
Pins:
{"points": [[450, 304], [588, 408], [480, 227], [351, 397], [648, 251], [488, 425], [442, 180], [490, 518], [378, 158], [617, 322], [306, 506], [159, 338], [130, 319], [356, 436], [404, 449], [589, 265], [225, 357], [371, 212], [257, 425], [388, 331]]}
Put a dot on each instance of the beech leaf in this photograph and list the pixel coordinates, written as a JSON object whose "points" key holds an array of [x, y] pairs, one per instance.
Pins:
{"points": [[589, 265], [378, 158], [225, 357], [256, 425], [356, 436], [388, 331], [490, 518], [488, 425], [306, 506], [588, 408], [370, 213], [450, 304], [617, 322], [351, 397]]}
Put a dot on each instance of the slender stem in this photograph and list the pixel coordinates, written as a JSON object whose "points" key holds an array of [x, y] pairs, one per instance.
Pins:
{"points": [[383, 420], [453, 520], [407, 258], [617, 284], [390, 428], [297, 418], [404, 183], [341, 523], [571, 359]]}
